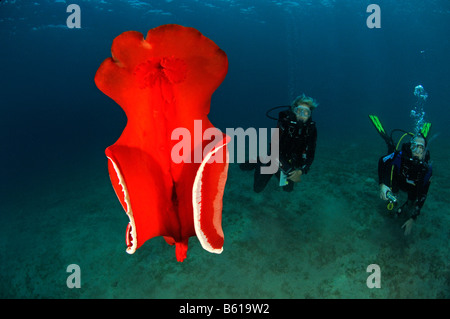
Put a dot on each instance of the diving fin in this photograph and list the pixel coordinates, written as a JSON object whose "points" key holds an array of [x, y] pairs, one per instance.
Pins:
{"points": [[425, 129], [376, 122]]}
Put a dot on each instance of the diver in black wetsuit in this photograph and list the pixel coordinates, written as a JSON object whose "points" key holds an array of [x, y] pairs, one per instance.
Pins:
{"points": [[297, 145], [408, 170]]}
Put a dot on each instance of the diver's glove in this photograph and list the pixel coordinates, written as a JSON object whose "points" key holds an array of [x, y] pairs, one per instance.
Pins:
{"points": [[384, 192], [408, 226]]}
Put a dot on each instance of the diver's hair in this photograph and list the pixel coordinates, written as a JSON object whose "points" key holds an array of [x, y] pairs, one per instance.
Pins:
{"points": [[303, 99]]}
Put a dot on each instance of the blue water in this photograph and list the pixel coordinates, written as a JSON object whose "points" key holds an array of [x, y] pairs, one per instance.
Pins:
{"points": [[55, 123]]}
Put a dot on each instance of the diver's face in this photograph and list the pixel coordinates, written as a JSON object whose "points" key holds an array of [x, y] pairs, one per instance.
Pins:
{"points": [[418, 148], [302, 112]]}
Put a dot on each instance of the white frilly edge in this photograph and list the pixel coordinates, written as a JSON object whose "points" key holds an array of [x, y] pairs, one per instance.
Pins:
{"points": [[197, 200], [130, 249]]}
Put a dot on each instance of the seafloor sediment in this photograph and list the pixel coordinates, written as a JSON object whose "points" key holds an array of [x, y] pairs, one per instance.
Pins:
{"points": [[315, 242]]}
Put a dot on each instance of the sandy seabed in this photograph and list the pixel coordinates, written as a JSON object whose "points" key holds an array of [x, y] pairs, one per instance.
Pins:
{"points": [[315, 242]]}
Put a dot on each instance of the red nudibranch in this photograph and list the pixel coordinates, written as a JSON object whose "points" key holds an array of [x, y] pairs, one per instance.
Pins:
{"points": [[165, 82]]}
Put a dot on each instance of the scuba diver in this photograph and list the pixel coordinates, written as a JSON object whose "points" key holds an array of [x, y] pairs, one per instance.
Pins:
{"points": [[408, 170], [297, 145]]}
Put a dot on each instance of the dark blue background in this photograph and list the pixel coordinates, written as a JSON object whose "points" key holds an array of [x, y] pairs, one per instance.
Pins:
{"points": [[53, 118]]}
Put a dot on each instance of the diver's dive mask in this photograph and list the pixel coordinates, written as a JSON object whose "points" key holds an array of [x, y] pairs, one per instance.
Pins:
{"points": [[302, 111], [417, 148]]}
